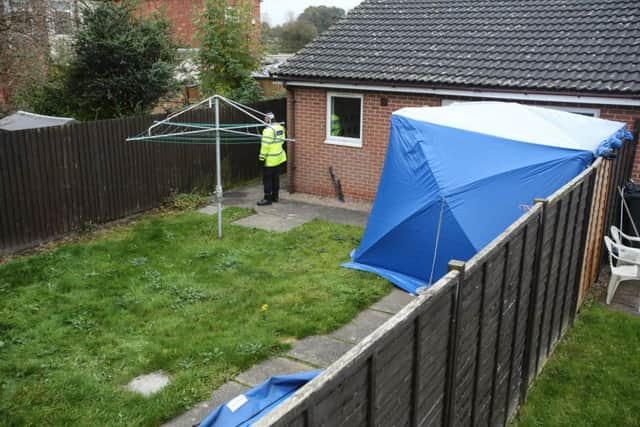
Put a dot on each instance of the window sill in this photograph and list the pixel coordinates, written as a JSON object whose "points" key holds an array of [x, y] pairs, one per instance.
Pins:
{"points": [[345, 142]]}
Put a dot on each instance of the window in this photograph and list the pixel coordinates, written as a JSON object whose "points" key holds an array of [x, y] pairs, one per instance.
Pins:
{"points": [[16, 6], [591, 112], [344, 119]]}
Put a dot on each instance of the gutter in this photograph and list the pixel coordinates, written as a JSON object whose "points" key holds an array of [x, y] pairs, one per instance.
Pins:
{"points": [[474, 92], [291, 148]]}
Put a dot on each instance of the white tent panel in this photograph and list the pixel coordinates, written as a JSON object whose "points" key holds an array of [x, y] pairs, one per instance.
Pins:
{"points": [[519, 122]]}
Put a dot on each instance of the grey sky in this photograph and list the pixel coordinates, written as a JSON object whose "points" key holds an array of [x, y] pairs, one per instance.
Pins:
{"points": [[276, 11]]}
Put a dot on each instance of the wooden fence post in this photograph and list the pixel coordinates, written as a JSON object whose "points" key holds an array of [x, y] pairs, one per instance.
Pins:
{"points": [[592, 255], [454, 328]]}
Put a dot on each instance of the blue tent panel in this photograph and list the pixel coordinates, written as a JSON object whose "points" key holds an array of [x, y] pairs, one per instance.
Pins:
{"points": [[421, 229], [249, 407], [497, 202], [455, 177]]}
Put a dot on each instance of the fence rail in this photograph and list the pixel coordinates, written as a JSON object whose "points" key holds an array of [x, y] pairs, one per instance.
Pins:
{"points": [[466, 351], [57, 180]]}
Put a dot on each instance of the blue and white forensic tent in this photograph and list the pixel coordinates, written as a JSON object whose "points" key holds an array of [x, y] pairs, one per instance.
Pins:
{"points": [[455, 177], [247, 408]]}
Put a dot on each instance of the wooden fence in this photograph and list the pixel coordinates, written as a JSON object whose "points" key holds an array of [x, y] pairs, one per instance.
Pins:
{"points": [[60, 179], [465, 351], [605, 211]]}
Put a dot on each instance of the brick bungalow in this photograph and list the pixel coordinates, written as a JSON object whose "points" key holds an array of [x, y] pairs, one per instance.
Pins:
{"points": [[581, 56]]}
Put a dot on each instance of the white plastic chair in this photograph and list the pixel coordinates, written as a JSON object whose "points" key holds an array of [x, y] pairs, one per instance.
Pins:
{"points": [[625, 269], [619, 238]]}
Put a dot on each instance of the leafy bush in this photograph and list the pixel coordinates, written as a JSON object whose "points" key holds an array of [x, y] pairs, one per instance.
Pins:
{"points": [[123, 63], [120, 65], [188, 201]]}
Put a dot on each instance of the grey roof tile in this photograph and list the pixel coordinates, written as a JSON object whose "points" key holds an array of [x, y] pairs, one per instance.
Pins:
{"points": [[567, 45]]}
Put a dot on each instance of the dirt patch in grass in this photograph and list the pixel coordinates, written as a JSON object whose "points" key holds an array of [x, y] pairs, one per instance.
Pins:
{"points": [[79, 322]]}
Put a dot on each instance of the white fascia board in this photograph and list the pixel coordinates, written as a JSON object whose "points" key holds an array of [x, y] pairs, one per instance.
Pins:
{"points": [[515, 96]]}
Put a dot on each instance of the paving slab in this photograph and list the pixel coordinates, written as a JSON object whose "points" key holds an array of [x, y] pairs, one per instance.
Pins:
{"points": [[394, 302], [319, 350], [365, 323], [265, 370], [199, 412], [149, 384], [295, 209], [271, 222], [627, 297]]}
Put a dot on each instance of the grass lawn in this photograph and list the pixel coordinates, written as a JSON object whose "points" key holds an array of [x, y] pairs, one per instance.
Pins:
{"points": [[79, 322], [593, 378]]}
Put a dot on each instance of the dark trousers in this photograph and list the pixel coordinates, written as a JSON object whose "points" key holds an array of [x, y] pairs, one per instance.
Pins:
{"points": [[271, 182]]}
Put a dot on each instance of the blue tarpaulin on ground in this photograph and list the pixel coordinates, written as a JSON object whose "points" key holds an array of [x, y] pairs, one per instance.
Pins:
{"points": [[247, 408], [455, 177]]}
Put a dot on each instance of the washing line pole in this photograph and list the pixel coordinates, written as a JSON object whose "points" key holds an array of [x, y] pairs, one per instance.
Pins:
{"points": [[196, 130], [218, 166]]}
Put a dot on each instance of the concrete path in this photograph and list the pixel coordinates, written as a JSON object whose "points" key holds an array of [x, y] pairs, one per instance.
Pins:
{"points": [[292, 210], [307, 354], [312, 352]]}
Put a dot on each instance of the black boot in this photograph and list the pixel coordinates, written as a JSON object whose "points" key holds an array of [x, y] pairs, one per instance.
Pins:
{"points": [[275, 198], [265, 202]]}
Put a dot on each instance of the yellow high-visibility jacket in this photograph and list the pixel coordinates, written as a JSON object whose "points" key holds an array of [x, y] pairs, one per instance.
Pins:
{"points": [[271, 151], [336, 125]]}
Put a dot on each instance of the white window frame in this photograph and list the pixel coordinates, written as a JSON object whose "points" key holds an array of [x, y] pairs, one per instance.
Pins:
{"points": [[595, 112], [445, 102], [343, 140]]}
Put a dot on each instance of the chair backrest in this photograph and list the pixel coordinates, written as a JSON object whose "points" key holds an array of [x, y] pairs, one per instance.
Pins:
{"points": [[609, 244], [620, 252], [616, 234]]}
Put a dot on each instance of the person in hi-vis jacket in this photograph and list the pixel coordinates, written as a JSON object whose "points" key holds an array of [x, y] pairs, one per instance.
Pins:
{"points": [[273, 155]]}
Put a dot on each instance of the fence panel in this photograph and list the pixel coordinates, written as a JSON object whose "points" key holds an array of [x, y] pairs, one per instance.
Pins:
{"points": [[471, 305], [9, 221], [507, 322], [553, 244], [525, 284], [60, 179], [430, 361]]}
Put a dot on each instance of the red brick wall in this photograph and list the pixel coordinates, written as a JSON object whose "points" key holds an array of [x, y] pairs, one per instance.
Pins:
{"points": [[358, 169], [182, 15]]}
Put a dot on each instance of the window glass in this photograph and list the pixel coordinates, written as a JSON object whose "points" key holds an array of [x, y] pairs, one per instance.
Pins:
{"points": [[345, 117]]}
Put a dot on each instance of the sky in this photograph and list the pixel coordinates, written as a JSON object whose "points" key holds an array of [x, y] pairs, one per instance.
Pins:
{"points": [[276, 11]]}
